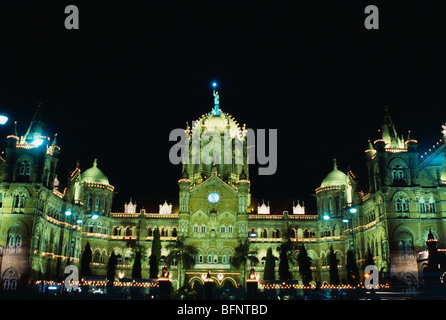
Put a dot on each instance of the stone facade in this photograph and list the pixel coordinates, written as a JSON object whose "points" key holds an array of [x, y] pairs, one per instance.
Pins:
{"points": [[44, 228]]}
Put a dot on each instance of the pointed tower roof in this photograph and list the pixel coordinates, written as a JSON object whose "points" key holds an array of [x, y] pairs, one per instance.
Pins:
{"points": [[36, 127], [388, 132]]}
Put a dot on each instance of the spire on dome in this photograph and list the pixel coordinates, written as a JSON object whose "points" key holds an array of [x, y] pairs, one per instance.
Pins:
{"points": [[95, 163], [335, 164], [216, 110]]}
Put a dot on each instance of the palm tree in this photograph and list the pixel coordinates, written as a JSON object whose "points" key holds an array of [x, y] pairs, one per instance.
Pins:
{"points": [[243, 254], [183, 254]]}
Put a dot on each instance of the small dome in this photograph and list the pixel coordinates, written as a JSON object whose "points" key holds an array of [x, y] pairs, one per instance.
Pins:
{"points": [[94, 174], [334, 178]]}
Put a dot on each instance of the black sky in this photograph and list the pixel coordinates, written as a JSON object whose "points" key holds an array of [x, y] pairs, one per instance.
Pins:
{"points": [[116, 87]]}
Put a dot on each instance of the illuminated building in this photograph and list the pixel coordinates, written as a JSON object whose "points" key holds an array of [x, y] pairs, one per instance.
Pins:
{"points": [[43, 228]]}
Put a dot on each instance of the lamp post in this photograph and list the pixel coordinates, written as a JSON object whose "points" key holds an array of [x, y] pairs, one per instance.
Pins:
{"points": [[349, 221], [71, 222]]}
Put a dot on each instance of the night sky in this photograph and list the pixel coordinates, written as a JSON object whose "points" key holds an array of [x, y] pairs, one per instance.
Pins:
{"points": [[115, 88]]}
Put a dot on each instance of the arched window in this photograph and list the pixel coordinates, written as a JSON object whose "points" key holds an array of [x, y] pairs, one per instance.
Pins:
{"points": [[431, 204], [115, 231], [230, 229], [222, 229], [265, 233], [401, 200], [203, 229], [25, 168], [422, 205], [128, 231], [196, 229], [90, 227], [96, 205], [149, 232], [174, 232]]}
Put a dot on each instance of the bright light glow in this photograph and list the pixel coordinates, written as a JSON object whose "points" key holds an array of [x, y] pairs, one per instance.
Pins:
{"points": [[345, 220], [37, 142], [214, 84], [68, 213], [326, 217], [353, 210], [3, 120], [79, 221], [95, 216]]}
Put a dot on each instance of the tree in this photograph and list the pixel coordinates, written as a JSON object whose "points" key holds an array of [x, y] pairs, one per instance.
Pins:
{"points": [[111, 268], [269, 272], [85, 261], [304, 262], [138, 254], [286, 250], [243, 254], [183, 254], [334, 274], [155, 256], [136, 271], [369, 260], [284, 268], [352, 269]]}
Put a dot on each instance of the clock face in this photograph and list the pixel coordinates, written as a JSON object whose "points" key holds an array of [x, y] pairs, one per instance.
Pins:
{"points": [[213, 197]]}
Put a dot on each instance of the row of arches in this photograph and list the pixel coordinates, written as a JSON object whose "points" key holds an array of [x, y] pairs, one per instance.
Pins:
{"points": [[276, 233]]}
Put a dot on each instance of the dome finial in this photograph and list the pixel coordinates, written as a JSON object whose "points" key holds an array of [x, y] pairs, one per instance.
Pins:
{"points": [[216, 110], [95, 162], [335, 164]]}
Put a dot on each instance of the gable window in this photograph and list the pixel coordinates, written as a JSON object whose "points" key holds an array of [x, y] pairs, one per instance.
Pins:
{"points": [[25, 168]]}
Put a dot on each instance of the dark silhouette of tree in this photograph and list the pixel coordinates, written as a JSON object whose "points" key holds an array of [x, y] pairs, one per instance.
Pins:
{"points": [[284, 267], [369, 260], [85, 261], [352, 269], [183, 254], [286, 250], [334, 274], [243, 254], [136, 271], [269, 272], [111, 268], [155, 256], [304, 262]]}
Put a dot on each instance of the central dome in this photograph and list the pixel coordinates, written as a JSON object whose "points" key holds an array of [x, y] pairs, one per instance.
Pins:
{"points": [[94, 174], [335, 177], [216, 123]]}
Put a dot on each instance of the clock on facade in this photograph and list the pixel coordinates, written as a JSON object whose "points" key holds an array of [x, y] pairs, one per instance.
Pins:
{"points": [[213, 197]]}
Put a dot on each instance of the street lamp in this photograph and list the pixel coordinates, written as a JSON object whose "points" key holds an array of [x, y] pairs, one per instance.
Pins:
{"points": [[3, 119], [326, 217], [353, 210], [95, 216]]}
